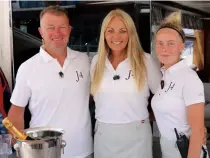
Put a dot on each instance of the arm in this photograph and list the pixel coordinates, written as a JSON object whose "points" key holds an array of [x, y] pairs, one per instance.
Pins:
{"points": [[193, 93], [16, 116], [153, 73], [20, 97], [196, 120]]}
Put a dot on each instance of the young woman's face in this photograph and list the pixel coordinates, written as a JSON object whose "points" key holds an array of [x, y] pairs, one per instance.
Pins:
{"points": [[116, 35], [168, 46]]}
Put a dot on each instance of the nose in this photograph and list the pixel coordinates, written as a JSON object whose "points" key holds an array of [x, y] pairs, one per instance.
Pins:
{"points": [[57, 30], [116, 36], [163, 48]]}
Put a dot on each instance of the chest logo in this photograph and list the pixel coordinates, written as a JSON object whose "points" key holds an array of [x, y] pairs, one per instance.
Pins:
{"points": [[171, 86], [79, 75], [129, 75]]}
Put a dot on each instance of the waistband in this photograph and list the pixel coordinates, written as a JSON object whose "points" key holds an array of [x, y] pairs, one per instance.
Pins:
{"points": [[123, 126]]}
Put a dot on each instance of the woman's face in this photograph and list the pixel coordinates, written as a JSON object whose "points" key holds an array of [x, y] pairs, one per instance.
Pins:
{"points": [[116, 35], [168, 46]]}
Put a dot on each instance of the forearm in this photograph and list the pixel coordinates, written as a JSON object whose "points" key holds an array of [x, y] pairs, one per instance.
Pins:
{"points": [[18, 123], [17, 118], [196, 141]]}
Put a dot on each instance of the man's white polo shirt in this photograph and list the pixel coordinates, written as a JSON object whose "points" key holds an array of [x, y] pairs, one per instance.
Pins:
{"points": [[182, 88], [56, 101], [120, 101]]}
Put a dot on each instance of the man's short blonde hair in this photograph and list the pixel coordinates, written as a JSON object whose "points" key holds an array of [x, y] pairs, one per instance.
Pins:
{"points": [[53, 9]]}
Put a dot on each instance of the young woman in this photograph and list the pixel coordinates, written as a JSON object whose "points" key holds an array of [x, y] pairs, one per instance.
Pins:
{"points": [[179, 101], [122, 75]]}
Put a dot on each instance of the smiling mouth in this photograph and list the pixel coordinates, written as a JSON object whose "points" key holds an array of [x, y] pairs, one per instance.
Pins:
{"points": [[165, 55], [116, 42], [57, 39]]}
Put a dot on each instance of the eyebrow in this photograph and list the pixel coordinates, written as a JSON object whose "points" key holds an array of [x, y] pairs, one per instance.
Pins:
{"points": [[167, 41], [64, 25], [51, 25], [171, 41], [113, 28]]}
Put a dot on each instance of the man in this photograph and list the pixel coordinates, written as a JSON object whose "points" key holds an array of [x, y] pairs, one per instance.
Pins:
{"points": [[55, 82]]}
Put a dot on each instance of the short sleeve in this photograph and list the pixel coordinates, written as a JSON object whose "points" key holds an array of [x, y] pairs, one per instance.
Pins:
{"points": [[153, 73], [21, 93], [193, 90]]}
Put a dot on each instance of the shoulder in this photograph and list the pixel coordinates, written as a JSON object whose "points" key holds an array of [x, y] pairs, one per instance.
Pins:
{"points": [[190, 77], [94, 60], [151, 64], [189, 74], [80, 59], [29, 64], [93, 63], [79, 55], [149, 59], [147, 56]]}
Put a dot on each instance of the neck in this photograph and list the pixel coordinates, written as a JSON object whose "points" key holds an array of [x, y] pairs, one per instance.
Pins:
{"points": [[59, 54], [166, 66], [118, 57]]}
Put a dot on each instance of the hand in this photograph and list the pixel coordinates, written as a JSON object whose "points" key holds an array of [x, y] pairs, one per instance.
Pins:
{"points": [[13, 141]]}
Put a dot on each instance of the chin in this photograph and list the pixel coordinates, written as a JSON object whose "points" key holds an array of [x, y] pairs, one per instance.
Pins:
{"points": [[164, 60], [60, 45], [117, 49]]}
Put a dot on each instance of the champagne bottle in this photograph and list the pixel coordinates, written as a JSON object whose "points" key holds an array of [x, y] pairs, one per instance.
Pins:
{"points": [[15, 132]]}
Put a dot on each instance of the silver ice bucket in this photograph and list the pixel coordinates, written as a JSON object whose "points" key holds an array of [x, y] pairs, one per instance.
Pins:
{"points": [[48, 145]]}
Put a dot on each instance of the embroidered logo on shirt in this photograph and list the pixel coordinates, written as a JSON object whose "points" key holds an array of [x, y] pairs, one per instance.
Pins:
{"points": [[171, 86], [129, 75], [79, 75]]}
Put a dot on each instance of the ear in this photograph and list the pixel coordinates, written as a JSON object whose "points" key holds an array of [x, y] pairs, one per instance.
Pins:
{"points": [[182, 46], [40, 31], [70, 28]]}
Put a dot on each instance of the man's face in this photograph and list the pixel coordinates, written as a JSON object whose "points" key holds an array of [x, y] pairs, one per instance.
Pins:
{"points": [[55, 31]]}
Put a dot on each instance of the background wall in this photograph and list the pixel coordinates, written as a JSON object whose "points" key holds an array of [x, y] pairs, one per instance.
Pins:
{"points": [[6, 49]]}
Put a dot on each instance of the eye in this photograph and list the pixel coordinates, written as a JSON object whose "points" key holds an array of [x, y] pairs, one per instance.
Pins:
{"points": [[63, 27], [110, 31], [50, 28], [171, 43], [123, 31], [159, 44]]}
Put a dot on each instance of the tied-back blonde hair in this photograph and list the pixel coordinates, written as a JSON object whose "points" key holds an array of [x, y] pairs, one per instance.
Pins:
{"points": [[173, 21], [134, 51]]}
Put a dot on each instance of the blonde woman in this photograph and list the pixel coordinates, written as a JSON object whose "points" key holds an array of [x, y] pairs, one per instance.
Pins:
{"points": [[122, 75], [179, 101]]}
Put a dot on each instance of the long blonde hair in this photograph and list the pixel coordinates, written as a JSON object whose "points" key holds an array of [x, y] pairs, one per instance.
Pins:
{"points": [[135, 53]]}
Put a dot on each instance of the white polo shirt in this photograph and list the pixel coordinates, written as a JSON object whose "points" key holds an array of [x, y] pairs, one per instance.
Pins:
{"points": [[182, 88], [120, 101], [55, 101]]}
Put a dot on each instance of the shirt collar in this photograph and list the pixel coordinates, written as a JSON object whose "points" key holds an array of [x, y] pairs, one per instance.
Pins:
{"points": [[47, 57], [181, 64], [107, 59]]}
